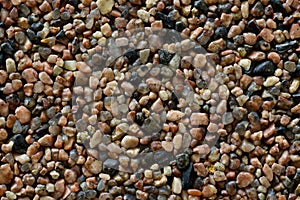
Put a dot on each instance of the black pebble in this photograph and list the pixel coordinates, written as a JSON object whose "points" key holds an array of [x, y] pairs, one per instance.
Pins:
{"points": [[81, 195], [188, 177], [167, 21], [41, 132], [180, 26], [74, 2], [139, 118], [198, 183], [131, 55], [164, 56], [266, 68], [278, 7], [38, 26], [182, 161], [224, 8], [201, 6], [44, 52], [281, 48], [7, 48], [20, 145], [61, 37], [252, 27], [32, 36], [221, 32], [56, 23]]}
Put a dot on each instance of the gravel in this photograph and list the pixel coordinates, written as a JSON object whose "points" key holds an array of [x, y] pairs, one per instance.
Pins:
{"points": [[91, 108]]}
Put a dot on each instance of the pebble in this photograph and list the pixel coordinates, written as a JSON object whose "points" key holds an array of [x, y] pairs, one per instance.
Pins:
{"points": [[246, 146], [295, 31], [244, 179], [30, 75], [199, 119], [10, 65], [176, 185], [106, 30], [6, 174], [23, 114], [233, 31], [19, 144], [143, 15], [266, 68], [209, 191], [174, 115], [105, 6], [129, 141], [3, 77], [245, 9], [245, 63], [70, 65], [268, 172], [46, 140], [271, 81], [250, 38], [267, 35], [45, 78]]}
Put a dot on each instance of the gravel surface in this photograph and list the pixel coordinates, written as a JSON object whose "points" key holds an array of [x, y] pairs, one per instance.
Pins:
{"points": [[149, 99]]}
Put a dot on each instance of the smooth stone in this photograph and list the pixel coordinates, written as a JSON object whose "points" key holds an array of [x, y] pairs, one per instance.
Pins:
{"points": [[129, 141], [266, 68], [176, 185]]}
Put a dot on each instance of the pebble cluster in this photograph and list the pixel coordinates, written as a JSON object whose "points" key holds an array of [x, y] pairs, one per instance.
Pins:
{"points": [[43, 53]]}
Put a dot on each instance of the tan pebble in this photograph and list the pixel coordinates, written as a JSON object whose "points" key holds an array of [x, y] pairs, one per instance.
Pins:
{"points": [[296, 109], [3, 134], [129, 141], [244, 179], [70, 176], [59, 188], [257, 56], [250, 38], [106, 30], [6, 174], [233, 31], [267, 35], [45, 7], [4, 111], [295, 31], [199, 119], [3, 76], [16, 84], [271, 24], [209, 191], [202, 149], [174, 115], [168, 146], [245, 9], [105, 6], [30, 75], [268, 172], [46, 140], [23, 114]]}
